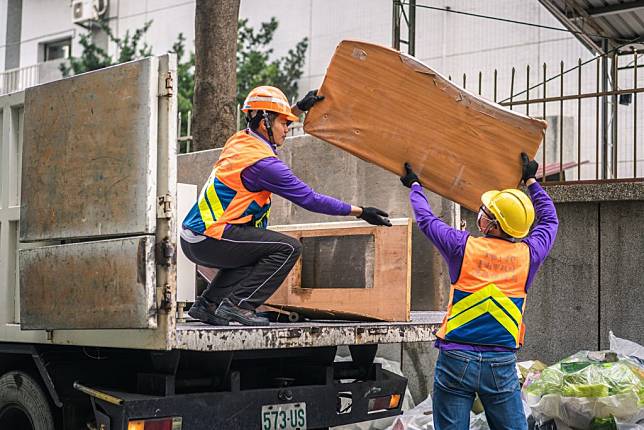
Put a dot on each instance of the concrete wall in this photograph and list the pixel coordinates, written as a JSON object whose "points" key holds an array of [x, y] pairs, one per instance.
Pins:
{"points": [[3, 31], [45, 21], [12, 34]]}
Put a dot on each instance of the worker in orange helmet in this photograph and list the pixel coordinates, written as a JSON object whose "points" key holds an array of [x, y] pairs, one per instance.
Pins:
{"points": [[490, 276], [226, 227]]}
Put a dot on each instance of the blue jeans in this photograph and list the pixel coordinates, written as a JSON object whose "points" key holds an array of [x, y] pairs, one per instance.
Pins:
{"points": [[461, 374]]}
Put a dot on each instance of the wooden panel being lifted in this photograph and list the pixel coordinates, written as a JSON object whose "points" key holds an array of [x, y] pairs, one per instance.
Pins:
{"points": [[388, 108], [353, 271]]}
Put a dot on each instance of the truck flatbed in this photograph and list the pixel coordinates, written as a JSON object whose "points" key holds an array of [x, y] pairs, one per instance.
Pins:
{"points": [[196, 336]]}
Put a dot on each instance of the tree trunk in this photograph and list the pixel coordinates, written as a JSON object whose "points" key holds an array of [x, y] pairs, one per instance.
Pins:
{"points": [[215, 105]]}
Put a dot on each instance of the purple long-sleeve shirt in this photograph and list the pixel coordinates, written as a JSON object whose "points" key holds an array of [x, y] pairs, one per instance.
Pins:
{"points": [[451, 242], [272, 174]]}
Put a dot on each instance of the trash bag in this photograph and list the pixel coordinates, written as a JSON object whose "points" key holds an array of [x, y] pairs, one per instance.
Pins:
{"points": [[418, 418], [588, 390], [626, 347]]}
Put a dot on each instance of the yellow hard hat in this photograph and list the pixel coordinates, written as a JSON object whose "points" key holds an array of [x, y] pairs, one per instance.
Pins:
{"points": [[269, 99], [512, 209]]}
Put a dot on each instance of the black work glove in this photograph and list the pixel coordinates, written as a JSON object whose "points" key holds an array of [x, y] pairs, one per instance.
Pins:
{"points": [[530, 167], [410, 176], [309, 100], [375, 216]]}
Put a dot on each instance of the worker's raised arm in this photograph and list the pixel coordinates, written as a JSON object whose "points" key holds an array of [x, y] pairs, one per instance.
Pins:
{"points": [[543, 234], [544, 231], [449, 241], [272, 174]]}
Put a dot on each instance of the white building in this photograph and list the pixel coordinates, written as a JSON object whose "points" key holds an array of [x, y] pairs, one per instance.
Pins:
{"points": [[36, 34], [451, 43]]}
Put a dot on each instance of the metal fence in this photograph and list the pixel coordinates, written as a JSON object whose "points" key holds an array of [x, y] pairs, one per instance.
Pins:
{"points": [[18, 79], [592, 111]]}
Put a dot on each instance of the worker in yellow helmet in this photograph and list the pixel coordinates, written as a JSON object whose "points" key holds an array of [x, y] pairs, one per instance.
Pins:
{"points": [[490, 276], [226, 227]]}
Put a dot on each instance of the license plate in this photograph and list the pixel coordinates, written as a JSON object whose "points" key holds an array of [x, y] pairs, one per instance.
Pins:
{"points": [[287, 416]]}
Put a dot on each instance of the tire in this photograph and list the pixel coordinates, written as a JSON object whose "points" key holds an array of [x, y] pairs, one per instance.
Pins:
{"points": [[23, 404]]}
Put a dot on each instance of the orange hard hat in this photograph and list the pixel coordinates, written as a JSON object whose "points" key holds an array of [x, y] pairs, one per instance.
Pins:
{"points": [[268, 99]]}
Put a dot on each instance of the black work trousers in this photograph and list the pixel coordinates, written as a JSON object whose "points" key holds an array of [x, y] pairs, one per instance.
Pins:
{"points": [[252, 263]]}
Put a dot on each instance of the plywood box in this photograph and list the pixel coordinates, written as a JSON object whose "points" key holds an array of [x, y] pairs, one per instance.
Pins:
{"points": [[388, 108], [349, 270]]}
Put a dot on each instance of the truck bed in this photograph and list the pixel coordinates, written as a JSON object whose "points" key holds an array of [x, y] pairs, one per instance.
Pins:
{"points": [[196, 336]]}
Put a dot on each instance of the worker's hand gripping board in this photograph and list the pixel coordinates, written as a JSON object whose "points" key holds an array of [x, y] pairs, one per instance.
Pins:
{"points": [[388, 108]]}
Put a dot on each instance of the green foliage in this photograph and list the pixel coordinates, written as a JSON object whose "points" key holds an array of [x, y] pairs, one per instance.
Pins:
{"points": [[94, 58], [186, 80], [254, 66]]}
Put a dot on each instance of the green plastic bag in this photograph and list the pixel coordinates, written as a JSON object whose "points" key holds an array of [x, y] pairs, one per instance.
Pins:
{"points": [[588, 389]]}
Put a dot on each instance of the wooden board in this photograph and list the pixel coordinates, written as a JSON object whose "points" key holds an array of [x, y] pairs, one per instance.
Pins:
{"points": [[385, 297], [388, 108]]}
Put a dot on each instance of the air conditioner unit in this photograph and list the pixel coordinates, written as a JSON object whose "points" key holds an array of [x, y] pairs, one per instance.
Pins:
{"points": [[88, 10]]}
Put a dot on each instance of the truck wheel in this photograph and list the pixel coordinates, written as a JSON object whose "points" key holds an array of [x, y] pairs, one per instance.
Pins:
{"points": [[23, 404]]}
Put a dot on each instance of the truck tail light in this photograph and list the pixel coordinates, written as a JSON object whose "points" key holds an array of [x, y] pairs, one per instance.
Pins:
{"points": [[171, 423], [378, 404]]}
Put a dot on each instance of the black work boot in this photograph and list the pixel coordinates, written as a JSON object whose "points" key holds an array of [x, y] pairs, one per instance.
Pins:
{"points": [[204, 311], [232, 312]]}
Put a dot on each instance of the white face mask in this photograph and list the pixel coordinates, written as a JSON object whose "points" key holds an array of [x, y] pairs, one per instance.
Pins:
{"points": [[479, 216], [491, 222]]}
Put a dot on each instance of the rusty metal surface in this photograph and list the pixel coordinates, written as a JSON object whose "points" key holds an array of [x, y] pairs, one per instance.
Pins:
{"points": [[200, 337], [89, 155], [102, 284]]}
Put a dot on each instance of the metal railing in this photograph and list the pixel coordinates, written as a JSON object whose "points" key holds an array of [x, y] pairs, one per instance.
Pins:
{"points": [[591, 98], [18, 79]]}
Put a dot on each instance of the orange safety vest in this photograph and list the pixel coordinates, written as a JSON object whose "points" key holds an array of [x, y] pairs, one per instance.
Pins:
{"points": [[487, 301], [224, 199]]}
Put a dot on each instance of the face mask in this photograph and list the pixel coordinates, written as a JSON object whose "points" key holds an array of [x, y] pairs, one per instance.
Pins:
{"points": [[478, 220], [491, 222]]}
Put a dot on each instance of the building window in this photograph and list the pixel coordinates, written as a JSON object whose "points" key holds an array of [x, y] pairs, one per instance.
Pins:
{"points": [[58, 49]]}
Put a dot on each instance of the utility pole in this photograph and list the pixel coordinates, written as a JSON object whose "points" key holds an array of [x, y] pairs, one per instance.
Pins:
{"points": [[409, 17]]}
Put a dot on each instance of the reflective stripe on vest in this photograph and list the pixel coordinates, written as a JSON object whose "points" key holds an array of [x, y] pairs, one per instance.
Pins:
{"points": [[223, 198], [487, 301]]}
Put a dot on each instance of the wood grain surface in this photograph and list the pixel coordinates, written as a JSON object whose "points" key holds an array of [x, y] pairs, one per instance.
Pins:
{"points": [[388, 298], [388, 108]]}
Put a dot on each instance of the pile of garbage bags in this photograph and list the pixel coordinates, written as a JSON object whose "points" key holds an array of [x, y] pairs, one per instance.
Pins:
{"points": [[589, 390], [597, 390]]}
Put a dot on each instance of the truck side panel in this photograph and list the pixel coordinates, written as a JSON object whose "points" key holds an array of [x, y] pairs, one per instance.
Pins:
{"points": [[142, 170], [89, 285], [89, 155]]}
